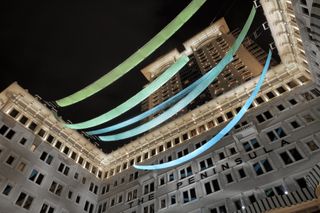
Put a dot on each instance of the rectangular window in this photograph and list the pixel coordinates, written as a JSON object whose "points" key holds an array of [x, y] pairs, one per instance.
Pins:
{"points": [[36, 177], [295, 124], [7, 189], [46, 158], [276, 134], [64, 169], [280, 107], [56, 188], [10, 134], [23, 119], [173, 199], [32, 126], [186, 172], [182, 153], [46, 208], [262, 166], [242, 173], [212, 186], [148, 188], [21, 166], [250, 145], [189, 195], [3, 129], [24, 201], [23, 141], [207, 163], [229, 178], [312, 145], [290, 156], [10, 160], [13, 113]]}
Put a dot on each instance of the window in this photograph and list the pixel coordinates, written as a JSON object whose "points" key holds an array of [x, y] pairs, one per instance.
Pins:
{"points": [[242, 173], [46, 209], [222, 155], [269, 192], [173, 199], [58, 145], [207, 163], [293, 101], [259, 100], [56, 188], [295, 124], [308, 118], [66, 151], [10, 160], [36, 177], [3, 129], [276, 134], [307, 96], [182, 153], [148, 188], [32, 126], [290, 156], [13, 113], [24, 201], [229, 178], [163, 203], [21, 167], [302, 183], [264, 116], [281, 89], [220, 209], [70, 194], [262, 166], [133, 194], [41, 132], [280, 107], [186, 172], [10, 134], [312, 145], [23, 141], [23, 119], [7, 189], [189, 195], [212, 186], [64, 169], [201, 143], [46, 158], [78, 198], [170, 177], [148, 209], [250, 145], [270, 95], [162, 180], [50, 138], [292, 84], [232, 151]]}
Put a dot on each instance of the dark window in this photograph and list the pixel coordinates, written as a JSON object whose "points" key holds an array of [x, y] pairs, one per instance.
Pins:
{"points": [[3, 129], [13, 113]]}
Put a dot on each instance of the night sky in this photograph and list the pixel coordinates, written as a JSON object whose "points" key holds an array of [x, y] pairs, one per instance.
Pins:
{"points": [[54, 48]]}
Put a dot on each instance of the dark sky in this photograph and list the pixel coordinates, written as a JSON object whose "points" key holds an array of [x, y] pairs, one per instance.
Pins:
{"points": [[54, 48]]}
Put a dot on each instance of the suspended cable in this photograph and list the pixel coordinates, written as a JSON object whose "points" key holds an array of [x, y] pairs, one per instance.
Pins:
{"points": [[135, 58], [192, 95], [217, 137]]}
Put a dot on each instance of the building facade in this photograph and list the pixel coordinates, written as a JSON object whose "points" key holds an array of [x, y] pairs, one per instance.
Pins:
{"points": [[269, 162]]}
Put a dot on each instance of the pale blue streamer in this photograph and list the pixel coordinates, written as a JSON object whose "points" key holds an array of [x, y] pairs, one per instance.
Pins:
{"points": [[192, 95], [151, 111], [219, 136]]}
